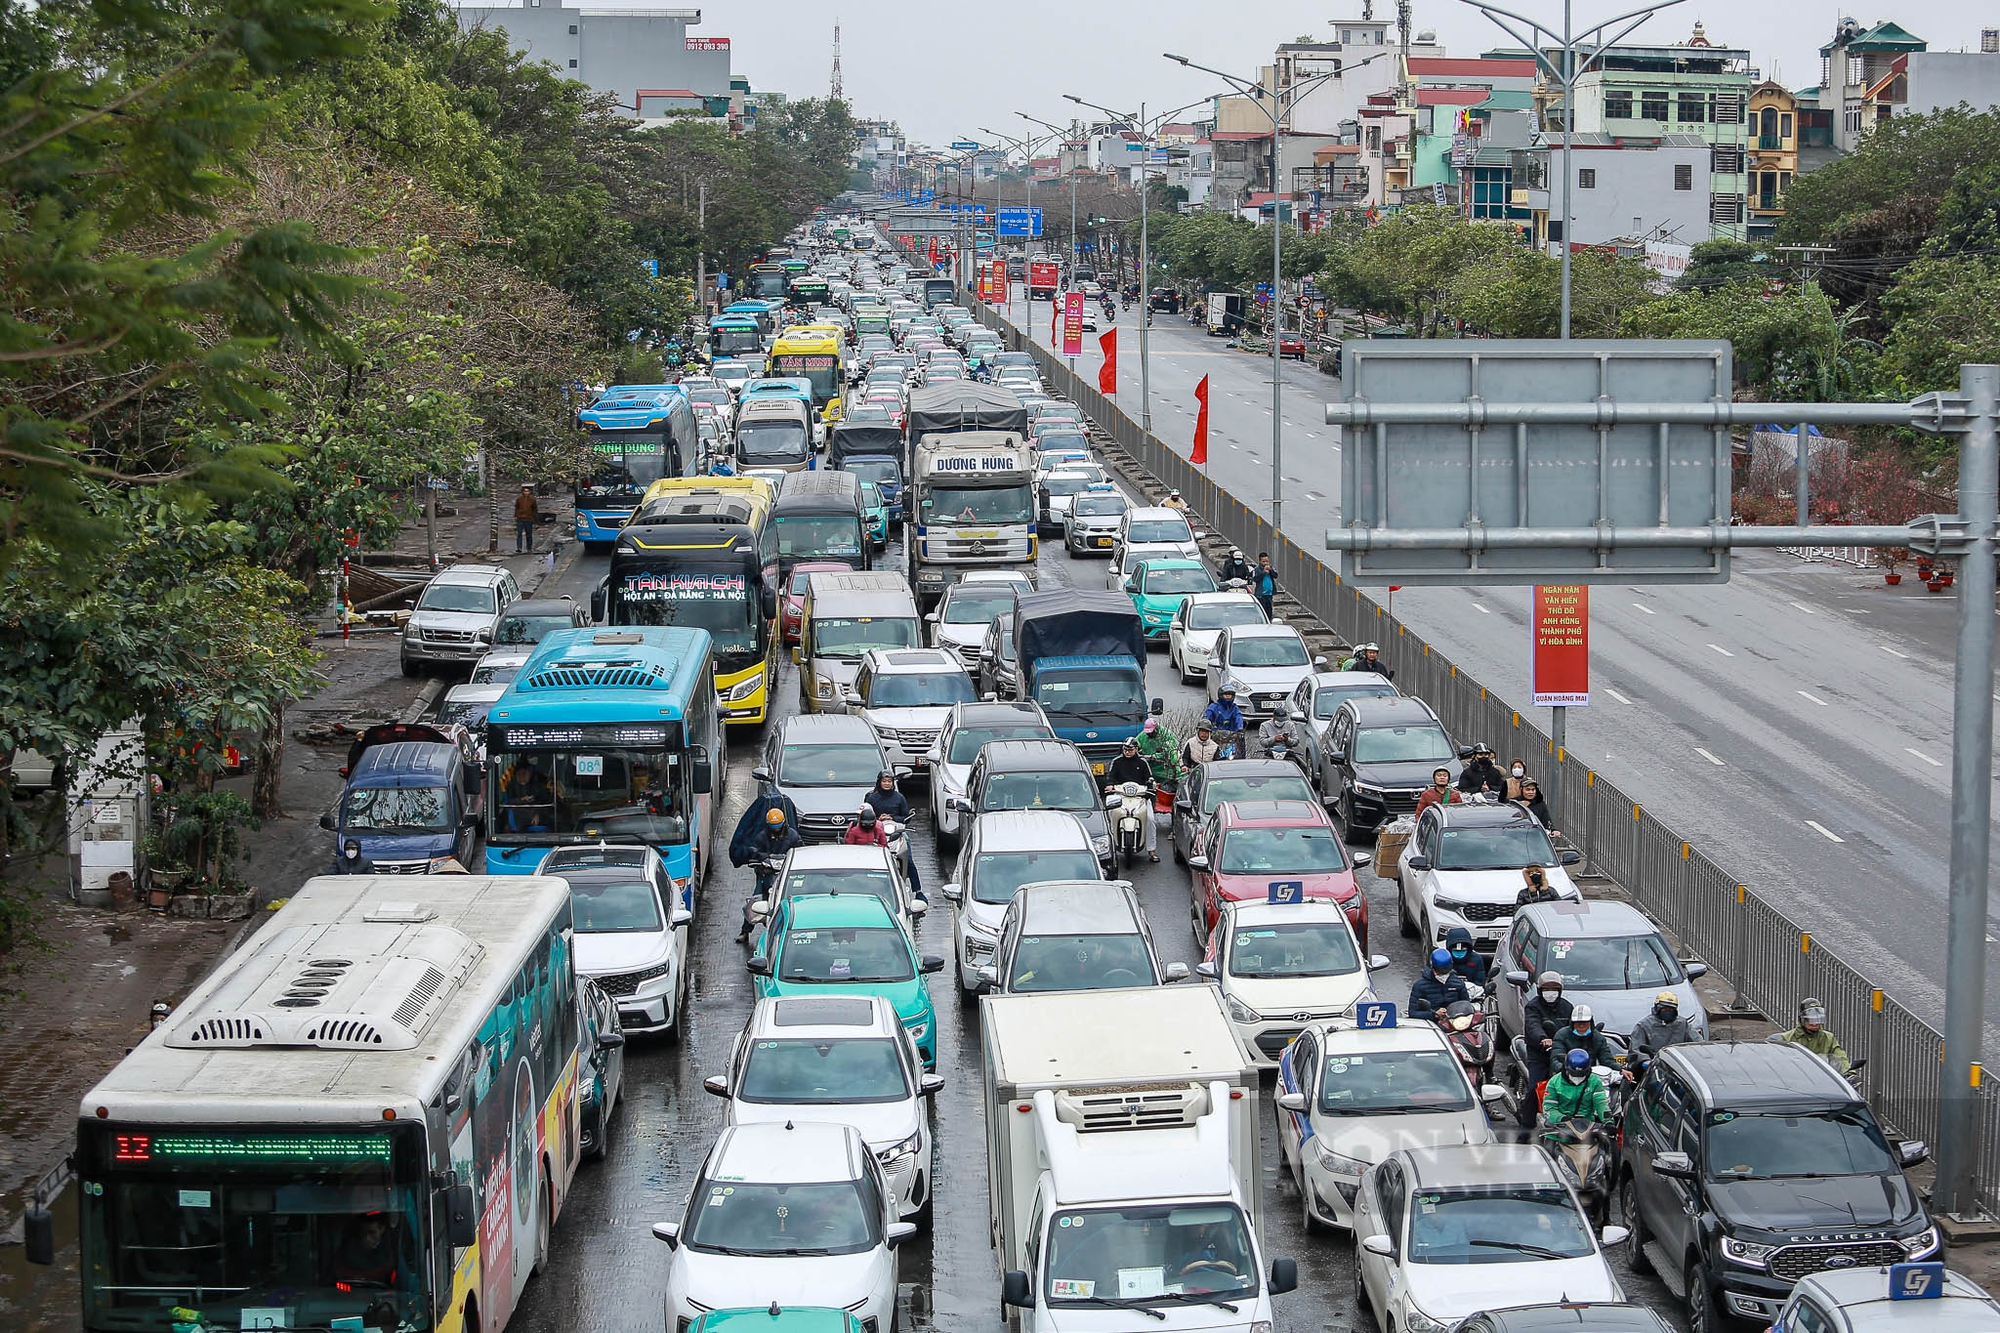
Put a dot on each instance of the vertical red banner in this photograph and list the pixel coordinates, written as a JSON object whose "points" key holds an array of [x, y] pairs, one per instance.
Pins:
{"points": [[1200, 455], [1559, 667], [1107, 374], [1072, 324]]}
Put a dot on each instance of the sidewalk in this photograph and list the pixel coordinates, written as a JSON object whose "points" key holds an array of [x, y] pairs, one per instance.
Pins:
{"points": [[82, 1000]]}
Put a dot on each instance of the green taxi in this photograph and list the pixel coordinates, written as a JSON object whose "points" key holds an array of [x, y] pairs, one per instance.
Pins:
{"points": [[1157, 587], [831, 944]]}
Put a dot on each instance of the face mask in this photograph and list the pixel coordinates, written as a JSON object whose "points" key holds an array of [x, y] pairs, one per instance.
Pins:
{"points": [[1575, 1077], [1458, 951], [1665, 1014], [1551, 996], [1442, 975], [1582, 1031], [1518, 770]]}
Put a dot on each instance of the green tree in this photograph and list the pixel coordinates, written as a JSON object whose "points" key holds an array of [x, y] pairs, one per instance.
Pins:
{"points": [[1721, 262]]}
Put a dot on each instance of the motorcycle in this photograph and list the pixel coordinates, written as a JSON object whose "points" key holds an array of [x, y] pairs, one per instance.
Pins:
{"points": [[1129, 803], [1585, 1153], [1471, 1039]]}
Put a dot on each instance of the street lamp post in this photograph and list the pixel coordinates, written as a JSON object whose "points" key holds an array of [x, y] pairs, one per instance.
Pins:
{"points": [[1280, 104], [1074, 256], [1027, 147]]}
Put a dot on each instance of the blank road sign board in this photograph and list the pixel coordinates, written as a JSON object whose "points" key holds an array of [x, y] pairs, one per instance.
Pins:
{"points": [[1501, 479]]}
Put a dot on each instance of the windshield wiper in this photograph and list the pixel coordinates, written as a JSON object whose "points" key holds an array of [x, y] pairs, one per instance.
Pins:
{"points": [[1118, 1303], [1203, 1298], [1535, 1250]]}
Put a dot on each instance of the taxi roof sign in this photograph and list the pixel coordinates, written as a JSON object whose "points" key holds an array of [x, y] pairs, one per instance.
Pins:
{"points": [[1916, 1282], [1378, 1014], [1285, 892]]}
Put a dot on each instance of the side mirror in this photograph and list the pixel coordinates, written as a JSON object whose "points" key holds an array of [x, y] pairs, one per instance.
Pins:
{"points": [[670, 1232], [38, 1234], [1492, 1092], [1674, 1166], [462, 1216], [717, 1085], [761, 774], [1284, 1276], [1336, 757], [850, 698], [329, 823], [933, 618], [1198, 862], [1319, 664], [1696, 970], [1292, 1101], [1363, 858], [1379, 1245], [701, 774], [1912, 1152], [1377, 961], [1176, 972], [959, 803], [760, 909], [1571, 858], [988, 975], [1014, 1290], [953, 893], [681, 917], [600, 604], [1614, 1235], [1209, 970], [899, 1232], [759, 965], [932, 1085], [1419, 863], [918, 907], [930, 962]]}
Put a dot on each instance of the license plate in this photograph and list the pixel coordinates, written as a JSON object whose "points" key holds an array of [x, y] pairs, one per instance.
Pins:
{"points": [[1097, 769], [1100, 541], [1492, 932]]}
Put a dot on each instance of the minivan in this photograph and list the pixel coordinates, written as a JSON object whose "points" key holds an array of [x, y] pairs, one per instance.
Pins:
{"points": [[774, 432], [412, 804], [843, 618]]}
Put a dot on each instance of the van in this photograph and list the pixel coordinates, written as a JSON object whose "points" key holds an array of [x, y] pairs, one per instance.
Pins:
{"points": [[412, 800], [843, 617], [818, 516], [774, 432]]}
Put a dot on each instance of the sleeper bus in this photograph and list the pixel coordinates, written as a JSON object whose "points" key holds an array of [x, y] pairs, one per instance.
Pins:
{"points": [[638, 434], [704, 571], [365, 1118], [811, 354], [607, 733]]}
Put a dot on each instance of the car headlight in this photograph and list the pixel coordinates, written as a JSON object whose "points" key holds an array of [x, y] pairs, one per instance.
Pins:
{"points": [[1370, 789], [907, 1148], [1337, 1162], [918, 1031], [1447, 904], [1747, 1252], [1242, 1012], [826, 689], [1101, 845], [1921, 1244], [976, 927], [1419, 1322]]}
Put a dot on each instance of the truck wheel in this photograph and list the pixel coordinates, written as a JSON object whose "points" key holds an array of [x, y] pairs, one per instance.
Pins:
{"points": [[1702, 1314]]}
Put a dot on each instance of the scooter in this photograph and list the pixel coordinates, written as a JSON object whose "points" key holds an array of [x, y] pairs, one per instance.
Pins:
{"points": [[1129, 803], [1467, 1032], [1586, 1152]]}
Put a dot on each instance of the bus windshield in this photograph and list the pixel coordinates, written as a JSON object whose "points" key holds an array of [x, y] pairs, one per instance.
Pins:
{"points": [[773, 442], [721, 601], [729, 339], [628, 461], [979, 504], [546, 796], [247, 1220]]}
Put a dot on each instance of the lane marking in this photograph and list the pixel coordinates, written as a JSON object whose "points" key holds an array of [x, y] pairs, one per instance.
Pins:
{"points": [[1921, 755], [1480, 609], [1893, 653], [1824, 831], [1720, 649], [1803, 607], [1616, 695], [1823, 704], [1706, 755], [1647, 609]]}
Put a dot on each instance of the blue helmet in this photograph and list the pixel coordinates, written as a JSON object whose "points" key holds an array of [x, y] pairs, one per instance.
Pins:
{"points": [[1577, 1059], [1441, 959]]}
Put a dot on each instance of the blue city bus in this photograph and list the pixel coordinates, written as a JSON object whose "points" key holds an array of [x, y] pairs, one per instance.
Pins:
{"points": [[735, 335], [613, 734], [638, 434], [764, 312]]}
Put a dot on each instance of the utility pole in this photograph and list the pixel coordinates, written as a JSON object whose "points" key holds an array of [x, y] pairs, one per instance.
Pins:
{"points": [[701, 251]]}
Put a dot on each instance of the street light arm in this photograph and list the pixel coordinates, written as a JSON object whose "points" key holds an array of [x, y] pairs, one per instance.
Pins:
{"points": [[1626, 31], [1494, 15]]}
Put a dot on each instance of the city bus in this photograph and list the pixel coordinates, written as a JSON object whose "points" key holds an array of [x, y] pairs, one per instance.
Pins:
{"points": [[638, 434], [365, 1118], [811, 354], [765, 312], [809, 289], [607, 733], [704, 571], [767, 282], [734, 335]]}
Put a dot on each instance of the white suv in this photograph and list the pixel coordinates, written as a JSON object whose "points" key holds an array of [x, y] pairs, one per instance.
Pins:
{"points": [[453, 622], [905, 694]]}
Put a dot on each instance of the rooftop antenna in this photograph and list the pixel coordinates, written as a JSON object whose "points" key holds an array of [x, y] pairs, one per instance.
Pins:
{"points": [[1403, 26], [837, 94]]}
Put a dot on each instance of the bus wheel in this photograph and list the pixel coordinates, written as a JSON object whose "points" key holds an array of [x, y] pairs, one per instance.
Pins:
{"points": [[542, 1227]]}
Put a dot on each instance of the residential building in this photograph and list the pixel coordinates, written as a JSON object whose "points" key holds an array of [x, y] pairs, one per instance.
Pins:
{"points": [[1627, 192], [1774, 155], [646, 59], [1857, 60]]}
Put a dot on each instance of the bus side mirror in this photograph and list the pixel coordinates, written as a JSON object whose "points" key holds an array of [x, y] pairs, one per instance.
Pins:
{"points": [[702, 776], [600, 602], [462, 1224]]}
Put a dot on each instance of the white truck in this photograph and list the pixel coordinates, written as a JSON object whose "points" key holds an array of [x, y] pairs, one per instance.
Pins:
{"points": [[1122, 1162], [972, 507]]}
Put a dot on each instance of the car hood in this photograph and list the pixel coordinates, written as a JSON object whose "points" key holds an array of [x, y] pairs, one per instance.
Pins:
{"points": [[607, 953], [841, 671], [1406, 773], [1176, 1319], [1338, 885], [1452, 1291], [1372, 1138], [879, 1123], [1493, 886], [987, 915], [400, 846], [961, 636], [1265, 679], [721, 1280], [1319, 996], [907, 719], [951, 777], [827, 800], [1832, 1204], [467, 620], [1202, 640]]}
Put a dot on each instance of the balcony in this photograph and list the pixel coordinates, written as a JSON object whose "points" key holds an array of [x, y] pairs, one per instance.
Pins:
{"points": [[1770, 143]]}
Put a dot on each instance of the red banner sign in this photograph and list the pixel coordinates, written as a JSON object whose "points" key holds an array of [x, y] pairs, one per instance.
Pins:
{"points": [[708, 43], [985, 283], [1072, 326], [1559, 669]]}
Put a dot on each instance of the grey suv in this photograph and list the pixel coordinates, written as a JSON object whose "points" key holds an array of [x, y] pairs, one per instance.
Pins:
{"points": [[1038, 775], [454, 617], [826, 764]]}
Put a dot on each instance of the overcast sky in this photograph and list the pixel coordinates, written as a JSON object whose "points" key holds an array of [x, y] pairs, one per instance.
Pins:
{"points": [[943, 71]]}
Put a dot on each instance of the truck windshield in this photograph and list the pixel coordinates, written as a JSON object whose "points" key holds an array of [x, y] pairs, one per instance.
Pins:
{"points": [[1492, 1226], [1844, 1142], [824, 1071], [1393, 1083], [1507, 848], [979, 504], [398, 810], [1094, 692], [1300, 949], [996, 875], [1400, 745], [1160, 1255]]}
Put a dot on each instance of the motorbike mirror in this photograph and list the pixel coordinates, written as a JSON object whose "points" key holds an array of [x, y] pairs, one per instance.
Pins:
{"points": [[1380, 1246], [1292, 1101], [1491, 1092], [1198, 862], [1615, 1235], [1465, 752], [1695, 970], [717, 1085], [1176, 972], [1377, 961]]}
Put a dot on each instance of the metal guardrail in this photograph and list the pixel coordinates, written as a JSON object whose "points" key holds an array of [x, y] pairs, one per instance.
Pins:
{"points": [[1772, 960], [1861, 557]]}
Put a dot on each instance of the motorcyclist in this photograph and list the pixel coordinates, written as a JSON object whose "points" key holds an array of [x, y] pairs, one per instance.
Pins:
{"points": [[1129, 767], [1159, 747], [1278, 729], [1202, 749], [1368, 657], [1482, 774], [1577, 1092], [890, 803], [1583, 1034], [1236, 567], [1542, 1016], [866, 830], [1465, 959], [1440, 792], [1223, 714], [1811, 1033], [777, 837], [1660, 1028], [1174, 502], [1437, 988]]}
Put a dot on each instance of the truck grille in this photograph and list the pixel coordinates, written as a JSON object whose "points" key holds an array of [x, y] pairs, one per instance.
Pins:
{"points": [[622, 984], [447, 636], [965, 549], [1792, 1262], [1484, 912]]}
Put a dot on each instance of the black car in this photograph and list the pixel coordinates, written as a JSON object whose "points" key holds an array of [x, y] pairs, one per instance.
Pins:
{"points": [[603, 1065], [1567, 1317], [1751, 1165], [1379, 756], [531, 620]]}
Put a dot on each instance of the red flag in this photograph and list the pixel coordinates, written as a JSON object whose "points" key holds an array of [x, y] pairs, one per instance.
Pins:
{"points": [[934, 249], [1107, 374], [1200, 455], [1055, 323]]}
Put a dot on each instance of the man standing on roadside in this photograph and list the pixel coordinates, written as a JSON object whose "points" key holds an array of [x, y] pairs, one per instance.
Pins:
{"points": [[1264, 582], [526, 511]]}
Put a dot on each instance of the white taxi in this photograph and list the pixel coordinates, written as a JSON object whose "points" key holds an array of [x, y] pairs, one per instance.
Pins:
{"points": [[1281, 966], [1348, 1096]]}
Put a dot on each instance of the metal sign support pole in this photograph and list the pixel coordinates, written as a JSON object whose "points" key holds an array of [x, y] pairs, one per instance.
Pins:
{"points": [[1558, 742]]}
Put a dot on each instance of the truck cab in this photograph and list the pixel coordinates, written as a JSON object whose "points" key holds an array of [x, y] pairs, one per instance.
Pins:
{"points": [[1082, 658]]}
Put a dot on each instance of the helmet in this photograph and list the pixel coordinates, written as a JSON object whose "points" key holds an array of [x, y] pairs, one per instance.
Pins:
{"points": [[1812, 1010], [1441, 959], [1667, 997], [867, 816], [1131, 743], [1368, 648], [1236, 553], [1482, 748], [1228, 690], [888, 773], [1152, 725], [1581, 1014], [775, 816], [1577, 1059], [1552, 979]]}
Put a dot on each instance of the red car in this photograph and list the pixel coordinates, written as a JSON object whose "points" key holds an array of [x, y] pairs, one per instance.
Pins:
{"points": [[795, 592], [1292, 344], [1246, 846]]}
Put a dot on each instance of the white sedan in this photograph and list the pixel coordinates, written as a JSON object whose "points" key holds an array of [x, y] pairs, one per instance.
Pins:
{"points": [[791, 1213], [1348, 1097], [1446, 1232], [1202, 617], [1262, 663]]}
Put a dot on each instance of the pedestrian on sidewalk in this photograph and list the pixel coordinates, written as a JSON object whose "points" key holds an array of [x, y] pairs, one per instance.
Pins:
{"points": [[526, 511], [1264, 584]]}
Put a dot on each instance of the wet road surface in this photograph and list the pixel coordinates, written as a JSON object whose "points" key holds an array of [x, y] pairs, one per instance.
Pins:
{"points": [[607, 1272]]}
